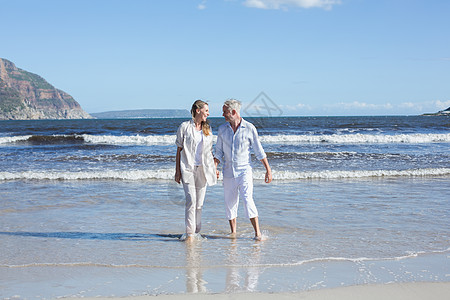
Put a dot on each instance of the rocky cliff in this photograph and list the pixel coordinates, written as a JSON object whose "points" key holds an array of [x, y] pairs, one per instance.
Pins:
{"points": [[27, 96], [445, 112]]}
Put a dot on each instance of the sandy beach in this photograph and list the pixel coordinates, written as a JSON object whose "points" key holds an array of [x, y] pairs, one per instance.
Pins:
{"points": [[398, 291]]}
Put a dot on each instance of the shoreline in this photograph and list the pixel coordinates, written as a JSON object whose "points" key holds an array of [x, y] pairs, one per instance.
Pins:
{"points": [[398, 291], [424, 276]]}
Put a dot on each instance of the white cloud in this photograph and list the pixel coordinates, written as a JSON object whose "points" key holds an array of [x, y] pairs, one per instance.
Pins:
{"points": [[441, 105], [354, 108], [404, 108], [295, 108], [284, 4], [427, 106], [202, 5], [359, 105], [408, 105]]}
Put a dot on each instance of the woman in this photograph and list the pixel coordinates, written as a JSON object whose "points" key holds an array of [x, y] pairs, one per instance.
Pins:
{"points": [[195, 164]]}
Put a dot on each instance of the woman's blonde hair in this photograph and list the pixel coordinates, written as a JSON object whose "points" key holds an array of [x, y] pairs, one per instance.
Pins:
{"points": [[199, 104]]}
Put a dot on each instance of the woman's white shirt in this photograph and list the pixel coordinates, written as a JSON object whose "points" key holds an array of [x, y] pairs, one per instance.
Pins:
{"points": [[198, 136], [187, 141]]}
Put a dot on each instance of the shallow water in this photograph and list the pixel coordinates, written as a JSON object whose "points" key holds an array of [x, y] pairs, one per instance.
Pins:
{"points": [[90, 208], [61, 231]]}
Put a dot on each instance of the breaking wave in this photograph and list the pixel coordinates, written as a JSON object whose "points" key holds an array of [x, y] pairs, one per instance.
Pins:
{"points": [[89, 175], [133, 139], [418, 138], [14, 139], [358, 138], [91, 139], [167, 174], [290, 175]]}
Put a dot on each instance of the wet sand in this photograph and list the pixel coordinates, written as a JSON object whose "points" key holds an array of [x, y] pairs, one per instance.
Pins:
{"points": [[398, 291]]}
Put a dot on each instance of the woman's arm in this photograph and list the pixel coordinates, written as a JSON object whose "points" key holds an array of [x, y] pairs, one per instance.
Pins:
{"points": [[178, 165]]}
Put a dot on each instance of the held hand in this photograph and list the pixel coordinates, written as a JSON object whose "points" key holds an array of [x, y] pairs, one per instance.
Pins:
{"points": [[216, 163], [268, 178]]}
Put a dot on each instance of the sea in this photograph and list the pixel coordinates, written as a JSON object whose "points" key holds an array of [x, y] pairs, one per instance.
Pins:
{"points": [[90, 208]]}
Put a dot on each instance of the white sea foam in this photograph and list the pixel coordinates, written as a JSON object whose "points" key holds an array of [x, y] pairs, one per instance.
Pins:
{"points": [[89, 175], [288, 139], [13, 139], [167, 174], [126, 139], [291, 175], [358, 138]]}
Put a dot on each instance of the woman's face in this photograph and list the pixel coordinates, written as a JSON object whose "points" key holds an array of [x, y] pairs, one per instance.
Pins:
{"points": [[203, 113]]}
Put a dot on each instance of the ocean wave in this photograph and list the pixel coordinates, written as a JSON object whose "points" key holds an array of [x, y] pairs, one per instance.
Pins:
{"points": [[326, 174], [89, 175], [168, 174], [417, 138], [145, 158], [91, 139], [14, 139], [133, 139], [334, 155]]}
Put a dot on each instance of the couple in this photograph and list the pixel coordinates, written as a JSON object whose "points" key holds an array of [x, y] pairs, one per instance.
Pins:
{"points": [[196, 167]]}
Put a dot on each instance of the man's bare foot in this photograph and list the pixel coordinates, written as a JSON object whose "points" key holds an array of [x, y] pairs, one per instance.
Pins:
{"points": [[260, 238], [232, 235]]}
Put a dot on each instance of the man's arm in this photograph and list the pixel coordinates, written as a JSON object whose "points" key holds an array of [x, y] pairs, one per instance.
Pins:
{"points": [[261, 155], [268, 178]]}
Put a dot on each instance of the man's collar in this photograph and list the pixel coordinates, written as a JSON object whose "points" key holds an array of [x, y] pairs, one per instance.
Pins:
{"points": [[242, 124]]}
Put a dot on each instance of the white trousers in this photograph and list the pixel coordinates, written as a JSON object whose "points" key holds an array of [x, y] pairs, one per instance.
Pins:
{"points": [[194, 190], [239, 188]]}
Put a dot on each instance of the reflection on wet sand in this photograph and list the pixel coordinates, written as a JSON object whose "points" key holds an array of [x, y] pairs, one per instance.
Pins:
{"points": [[194, 271], [242, 271], [250, 269]]}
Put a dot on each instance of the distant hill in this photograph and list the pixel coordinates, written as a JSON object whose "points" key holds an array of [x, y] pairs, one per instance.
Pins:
{"points": [[445, 112], [143, 113], [27, 96]]}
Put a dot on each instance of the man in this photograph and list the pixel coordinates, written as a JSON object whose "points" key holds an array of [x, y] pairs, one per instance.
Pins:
{"points": [[234, 141]]}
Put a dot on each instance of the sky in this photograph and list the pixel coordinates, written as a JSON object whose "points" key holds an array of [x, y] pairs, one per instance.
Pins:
{"points": [[278, 57]]}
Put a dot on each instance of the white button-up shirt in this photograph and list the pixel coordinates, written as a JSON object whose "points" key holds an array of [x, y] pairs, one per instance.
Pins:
{"points": [[233, 148], [186, 140]]}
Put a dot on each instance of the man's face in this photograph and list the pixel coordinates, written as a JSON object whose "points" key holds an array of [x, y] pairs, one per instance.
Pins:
{"points": [[227, 114]]}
